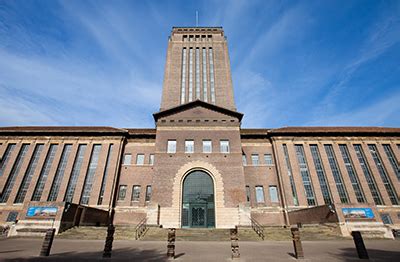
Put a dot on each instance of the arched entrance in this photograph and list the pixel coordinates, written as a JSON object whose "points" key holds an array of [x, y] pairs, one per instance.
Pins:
{"points": [[198, 200]]}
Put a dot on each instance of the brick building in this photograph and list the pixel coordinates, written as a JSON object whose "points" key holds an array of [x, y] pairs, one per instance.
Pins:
{"points": [[198, 167]]}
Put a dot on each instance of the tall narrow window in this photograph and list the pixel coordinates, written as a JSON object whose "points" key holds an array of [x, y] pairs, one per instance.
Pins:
{"points": [[89, 179], [197, 73], [254, 159], [273, 194], [55, 187], [352, 174], [386, 219], [13, 174], [260, 194], [376, 195], [337, 176], [224, 146], [148, 193], [207, 146], [171, 146], [135, 193], [140, 159], [6, 157], [76, 169], [37, 193], [151, 159], [326, 194], [392, 160], [205, 93], [190, 74], [105, 175], [290, 174], [127, 159], [26, 181], [121, 193], [189, 146], [268, 159], [248, 194], [244, 160], [212, 80], [382, 172], [305, 175], [183, 82]]}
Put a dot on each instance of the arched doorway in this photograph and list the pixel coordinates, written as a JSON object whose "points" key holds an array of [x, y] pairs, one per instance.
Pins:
{"points": [[198, 200]]}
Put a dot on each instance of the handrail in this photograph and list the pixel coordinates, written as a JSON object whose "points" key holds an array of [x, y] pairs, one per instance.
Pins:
{"points": [[141, 228], [257, 228]]}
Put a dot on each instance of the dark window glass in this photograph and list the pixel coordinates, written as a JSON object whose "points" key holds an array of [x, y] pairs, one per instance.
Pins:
{"points": [[337, 176], [55, 187], [76, 169], [135, 193], [12, 216], [105, 175], [319, 168], [89, 179], [247, 193], [305, 175], [122, 192], [386, 219], [290, 174], [148, 193], [6, 157], [393, 161]]}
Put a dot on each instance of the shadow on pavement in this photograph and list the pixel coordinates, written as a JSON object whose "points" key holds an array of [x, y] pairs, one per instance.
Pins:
{"points": [[350, 254]]}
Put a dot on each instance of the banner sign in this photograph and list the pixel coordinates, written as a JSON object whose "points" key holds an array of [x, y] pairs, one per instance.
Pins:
{"points": [[358, 213], [41, 212]]}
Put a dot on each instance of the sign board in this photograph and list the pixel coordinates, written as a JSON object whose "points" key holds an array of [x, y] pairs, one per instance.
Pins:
{"points": [[41, 212], [358, 213]]}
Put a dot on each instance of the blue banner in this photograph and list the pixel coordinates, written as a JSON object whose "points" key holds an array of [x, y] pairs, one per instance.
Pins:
{"points": [[41, 212], [358, 212]]}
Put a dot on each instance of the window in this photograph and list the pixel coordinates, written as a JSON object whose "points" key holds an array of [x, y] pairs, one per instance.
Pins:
{"points": [[392, 160], [244, 160], [55, 187], [305, 175], [386, 219], [268, 159], [122, 192], [183, 81], [289, 169], [319, 168], [273, 194], [140, 159], [6, 157], [248, 194], [212, 85], [135, 193], [224, 146], [197, 73], [207, 146], [148, 193], [89, 179], [254, 159], [171, 146], [104, 182], [190, 74], [151, 159], [189, 146], [205, 96], [127, 159], [12, 216], [260, 194], [76, 169]]}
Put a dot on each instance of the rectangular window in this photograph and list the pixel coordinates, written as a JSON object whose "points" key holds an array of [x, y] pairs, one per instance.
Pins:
{"points": [[248, 194], [205, 93], [224, 146], [197, 73], [127, 159], [382, 172], [190, 74], [122, 192], [352, 174], [305, 175], [337, 176], [13, 174], [189, 146], [148, 193], [212, 80], [135, 193], [89, 179], [171, 146], [105, 175], [6, 157], [183, 81], [55, 187], [140, 159], [268, 159], [151, 159], [12, 216], [392, 159], [260, 194], [207, 146], [376, 195], [273, 194], [254, 159], [26, 181], [319, 168], [76, 169], [244, 160], [37, 193], [386, 219], [290, 174]]}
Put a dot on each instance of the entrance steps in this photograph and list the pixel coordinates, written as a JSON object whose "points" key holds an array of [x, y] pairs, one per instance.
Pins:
{"points": [[90, 233], [371, 230]]}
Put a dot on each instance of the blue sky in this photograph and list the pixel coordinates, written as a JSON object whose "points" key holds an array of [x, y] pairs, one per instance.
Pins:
{"points": [[294, 63]]}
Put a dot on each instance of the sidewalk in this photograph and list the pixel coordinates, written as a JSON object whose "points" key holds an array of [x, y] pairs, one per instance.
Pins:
{"points": [[19, 249]]}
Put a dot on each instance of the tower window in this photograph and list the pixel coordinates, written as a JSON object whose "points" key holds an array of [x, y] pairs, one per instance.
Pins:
{"points": [[183, 80], [140, 159], [171, 146], [207, 146], [212, 84], [127, 159], [254, 160], [135, 193], [273, 194], [122, 192], [268, 159], [190, 74], [224, 146], [189, 146], [260, 194], [148, 193]]}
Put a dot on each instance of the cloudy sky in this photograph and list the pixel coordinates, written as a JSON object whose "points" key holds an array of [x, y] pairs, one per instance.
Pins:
{"points": [[294, 63]]}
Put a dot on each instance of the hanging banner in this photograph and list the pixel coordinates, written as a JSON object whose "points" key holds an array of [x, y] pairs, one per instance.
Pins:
{"points": [[41, 212], [358, 212]]}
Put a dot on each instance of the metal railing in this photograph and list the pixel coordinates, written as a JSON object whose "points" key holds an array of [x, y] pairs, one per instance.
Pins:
{"points": [[257, 228], [141, 228]]}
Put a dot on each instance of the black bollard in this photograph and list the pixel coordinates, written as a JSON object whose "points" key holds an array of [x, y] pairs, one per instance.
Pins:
{"points": [[171, 243], [47, 242], [359, 242], [298, 248], [109, 241], [235, 243]]}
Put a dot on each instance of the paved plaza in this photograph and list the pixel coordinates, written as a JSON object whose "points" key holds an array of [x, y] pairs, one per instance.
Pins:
{"points": [[20, 249]]}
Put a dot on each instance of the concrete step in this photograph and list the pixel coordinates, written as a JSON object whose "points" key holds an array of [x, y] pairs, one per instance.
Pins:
{"points": [[121, 233]]}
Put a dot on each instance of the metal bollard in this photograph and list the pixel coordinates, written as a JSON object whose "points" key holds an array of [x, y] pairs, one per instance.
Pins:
{"points": [[235, 243], [298, 248], [359, 242], [109, 241], [171, 243], [47, 242]]}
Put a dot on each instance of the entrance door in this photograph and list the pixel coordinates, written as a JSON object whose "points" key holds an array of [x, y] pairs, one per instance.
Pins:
{"points": [[198, 200]]}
